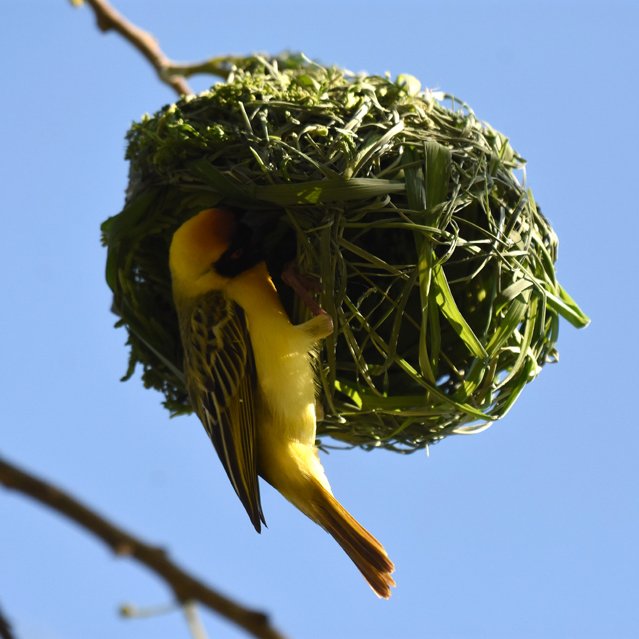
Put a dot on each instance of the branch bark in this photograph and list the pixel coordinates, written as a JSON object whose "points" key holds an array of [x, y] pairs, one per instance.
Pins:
{"points": [[185, 586], [6, 632], [108, 19]]}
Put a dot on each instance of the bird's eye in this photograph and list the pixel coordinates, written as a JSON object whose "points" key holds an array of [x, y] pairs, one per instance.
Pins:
{"points": [[236, 254]]}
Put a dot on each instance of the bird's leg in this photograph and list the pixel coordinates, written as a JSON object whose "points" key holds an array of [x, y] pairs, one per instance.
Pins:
{"points": [[305, 286]]}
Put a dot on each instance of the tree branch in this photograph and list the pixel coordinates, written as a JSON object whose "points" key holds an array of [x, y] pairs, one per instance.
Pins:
{"points": [[185, 587], [108, 19], [6, 632], [220, 66], [193, 622]]}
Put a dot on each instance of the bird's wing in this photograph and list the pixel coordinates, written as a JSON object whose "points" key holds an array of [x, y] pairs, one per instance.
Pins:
{"points": [[221, 379]]}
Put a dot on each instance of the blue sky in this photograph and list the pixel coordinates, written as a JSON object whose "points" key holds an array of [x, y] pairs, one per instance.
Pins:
{"points": [[527, 530]]}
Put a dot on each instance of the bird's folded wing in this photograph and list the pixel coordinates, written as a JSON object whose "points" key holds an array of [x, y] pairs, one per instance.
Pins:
{"points": [[221, 382]]}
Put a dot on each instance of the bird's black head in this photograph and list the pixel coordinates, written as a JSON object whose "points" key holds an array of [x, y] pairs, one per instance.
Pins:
{"points": [[242, 254]]}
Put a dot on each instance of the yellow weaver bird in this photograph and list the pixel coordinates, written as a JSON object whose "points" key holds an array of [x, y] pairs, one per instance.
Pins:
{"points": [[251, 382]]}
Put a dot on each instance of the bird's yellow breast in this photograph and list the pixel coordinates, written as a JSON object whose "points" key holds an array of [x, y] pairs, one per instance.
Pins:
{"points": [[282, 357]]}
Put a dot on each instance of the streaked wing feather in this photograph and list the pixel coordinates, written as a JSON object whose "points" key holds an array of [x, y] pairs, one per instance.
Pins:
{"points": [[220, 372]]}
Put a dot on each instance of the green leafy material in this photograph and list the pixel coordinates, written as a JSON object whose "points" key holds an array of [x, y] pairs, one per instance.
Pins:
{"points": [[436, 263]]}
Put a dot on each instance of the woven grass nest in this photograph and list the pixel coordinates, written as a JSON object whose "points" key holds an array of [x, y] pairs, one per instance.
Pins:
{"points": [[435, 261]]}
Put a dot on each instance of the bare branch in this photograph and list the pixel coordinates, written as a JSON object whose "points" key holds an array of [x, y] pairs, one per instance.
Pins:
{"points": [[186, 587], [6, 632], [193, 621], [108, 19], [220, 66]]}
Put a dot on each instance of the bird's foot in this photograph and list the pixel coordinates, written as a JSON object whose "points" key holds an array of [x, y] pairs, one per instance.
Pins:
{"points": [[319, 326]]}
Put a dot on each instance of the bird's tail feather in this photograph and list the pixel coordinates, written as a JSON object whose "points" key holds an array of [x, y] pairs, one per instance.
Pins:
{"points": [[364, 550]]}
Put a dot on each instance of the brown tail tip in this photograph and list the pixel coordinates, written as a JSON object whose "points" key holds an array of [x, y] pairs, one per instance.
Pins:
{"points": [[364, 550]]}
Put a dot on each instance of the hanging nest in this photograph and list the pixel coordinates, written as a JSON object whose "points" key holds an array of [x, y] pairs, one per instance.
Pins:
{"points": [[435, 261]]}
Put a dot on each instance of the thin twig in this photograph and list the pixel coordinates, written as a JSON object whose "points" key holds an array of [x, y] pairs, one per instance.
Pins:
{"points": [[185, 586], [220, 66], [6, 632], [193, 621], [108, 19]]}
